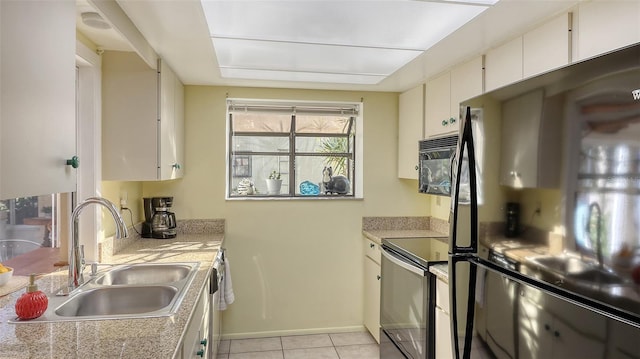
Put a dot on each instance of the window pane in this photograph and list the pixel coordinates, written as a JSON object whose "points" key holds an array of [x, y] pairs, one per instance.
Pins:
{"points": [[260, 144], [257, 169], [260, 122], [322, 124], [322, 145], [309, 168], [25, 225]]}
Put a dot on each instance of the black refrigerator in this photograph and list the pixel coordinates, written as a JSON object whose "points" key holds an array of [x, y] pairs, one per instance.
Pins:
{"points": [[544, 254]]}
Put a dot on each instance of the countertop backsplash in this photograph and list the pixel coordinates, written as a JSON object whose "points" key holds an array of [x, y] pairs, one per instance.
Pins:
{"points": [[111, 246]]}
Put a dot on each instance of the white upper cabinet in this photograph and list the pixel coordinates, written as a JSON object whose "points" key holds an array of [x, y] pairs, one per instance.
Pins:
{"points": [[605, 26], [467, 81], [37, 101], [503, 65], [444, 93], [542, 49], [410, 121], [143, 120], [547, 47], [437, 107]]}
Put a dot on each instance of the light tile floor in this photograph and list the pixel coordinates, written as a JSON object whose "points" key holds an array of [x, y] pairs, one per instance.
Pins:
{"points": [[355, 345]]}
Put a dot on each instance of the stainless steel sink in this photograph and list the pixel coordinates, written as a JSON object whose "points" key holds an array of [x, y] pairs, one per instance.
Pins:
{"points": [[146, 274], [118, 301], [596, 277], [563, 263], [127, 291]]}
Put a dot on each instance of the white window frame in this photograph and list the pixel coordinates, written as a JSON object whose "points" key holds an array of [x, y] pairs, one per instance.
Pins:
{"points": [[293, 104]]}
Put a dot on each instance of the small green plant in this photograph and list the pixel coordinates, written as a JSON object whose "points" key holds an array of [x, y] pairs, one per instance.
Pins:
{"points": [[274, 175]]}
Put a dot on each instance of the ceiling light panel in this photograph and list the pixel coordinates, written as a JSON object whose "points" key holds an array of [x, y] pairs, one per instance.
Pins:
{"points": [[340, 39], [269, 55], [386, 24], [297, 76]]}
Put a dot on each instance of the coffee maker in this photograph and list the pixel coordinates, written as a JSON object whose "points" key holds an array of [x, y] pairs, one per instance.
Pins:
{"points": [[158, 221]]}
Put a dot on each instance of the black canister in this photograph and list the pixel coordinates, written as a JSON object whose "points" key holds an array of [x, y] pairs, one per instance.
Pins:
{"points": [[512, 227]]}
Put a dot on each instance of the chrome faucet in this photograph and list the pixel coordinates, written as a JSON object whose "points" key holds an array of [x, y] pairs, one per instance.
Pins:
{"points": [[76, 254], [595, 206]]}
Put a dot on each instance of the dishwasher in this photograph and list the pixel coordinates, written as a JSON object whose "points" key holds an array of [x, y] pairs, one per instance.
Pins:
{"points": [[215, 315]]}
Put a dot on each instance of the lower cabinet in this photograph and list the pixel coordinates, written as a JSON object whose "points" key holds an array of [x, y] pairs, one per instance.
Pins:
{"points": [[443, 329], [372, 288], [196, 341]]}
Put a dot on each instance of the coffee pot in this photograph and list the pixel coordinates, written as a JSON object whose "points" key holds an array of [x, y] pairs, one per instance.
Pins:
{"points": [[159, 221]]}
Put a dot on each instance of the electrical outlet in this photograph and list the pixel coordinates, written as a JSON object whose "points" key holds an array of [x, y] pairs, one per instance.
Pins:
{"points": [[123, 199]]}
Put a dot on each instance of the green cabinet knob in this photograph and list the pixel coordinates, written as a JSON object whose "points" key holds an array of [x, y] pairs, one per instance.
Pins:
{"points": [[200, 353], [445, 122], [176, 166], [452, 120], [73, 162], [378, 277], [204, 342]]}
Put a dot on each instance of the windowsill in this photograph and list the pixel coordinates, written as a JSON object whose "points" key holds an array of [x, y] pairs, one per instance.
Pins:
{"points": [[296, 198]]}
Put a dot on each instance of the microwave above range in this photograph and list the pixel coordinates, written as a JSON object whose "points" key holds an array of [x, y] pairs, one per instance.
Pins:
{"points": [[435, 164]]}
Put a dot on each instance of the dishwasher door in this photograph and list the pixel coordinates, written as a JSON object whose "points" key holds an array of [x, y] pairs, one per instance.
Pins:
{"points": [[215, 320]]}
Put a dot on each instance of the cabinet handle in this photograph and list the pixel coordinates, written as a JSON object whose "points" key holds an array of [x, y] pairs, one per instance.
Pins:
{"points": [[547, 327], [200, 353], [514, 174], [176, 166], [556, 334], [371, 245], [452, 120], [73, 162], [204, 342], [378, 277], [417, 167], [445, 122]]}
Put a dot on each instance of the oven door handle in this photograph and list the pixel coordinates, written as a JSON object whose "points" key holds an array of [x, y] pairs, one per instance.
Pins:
{"points": [[403, 264]]}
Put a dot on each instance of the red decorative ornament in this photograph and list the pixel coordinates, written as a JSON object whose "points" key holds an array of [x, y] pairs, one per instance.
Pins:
{"points": [[33, 303]]}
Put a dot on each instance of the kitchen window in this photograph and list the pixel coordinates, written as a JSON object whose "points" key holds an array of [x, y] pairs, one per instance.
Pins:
{"points": [[287, 149]]}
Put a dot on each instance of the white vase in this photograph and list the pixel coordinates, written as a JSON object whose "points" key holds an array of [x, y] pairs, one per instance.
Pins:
{"points": [[273, 186]]}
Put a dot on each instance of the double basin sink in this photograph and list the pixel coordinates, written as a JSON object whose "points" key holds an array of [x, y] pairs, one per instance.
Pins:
{"points": [[126, 291], [578, 271]]}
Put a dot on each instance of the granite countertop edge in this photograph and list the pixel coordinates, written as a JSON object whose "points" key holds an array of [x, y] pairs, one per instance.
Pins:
{"points": [[129, 338], [378, 235]]}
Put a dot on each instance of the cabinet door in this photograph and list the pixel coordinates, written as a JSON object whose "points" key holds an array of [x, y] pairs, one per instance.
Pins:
{"points": [[503, 65], [372, 297], [443, 335], [410, 122], [171, 124], [466, 82], [438, 107], [130, 118], [604, 26], [546, 47], [37, 101]]}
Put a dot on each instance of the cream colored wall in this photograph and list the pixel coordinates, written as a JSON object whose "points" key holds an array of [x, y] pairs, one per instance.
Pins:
{"points": [[112, 190], [296, 265]]}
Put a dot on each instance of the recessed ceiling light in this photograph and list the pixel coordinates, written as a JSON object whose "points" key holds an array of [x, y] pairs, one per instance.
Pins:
{"points": [[93, 19]]}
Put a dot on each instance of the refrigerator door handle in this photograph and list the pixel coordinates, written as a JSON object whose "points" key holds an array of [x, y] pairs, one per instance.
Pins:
{"points": [[466, 142], [453, 310]]}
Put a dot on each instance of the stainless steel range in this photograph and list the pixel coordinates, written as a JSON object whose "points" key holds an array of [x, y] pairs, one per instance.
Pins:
{"points": [[407, 298]]}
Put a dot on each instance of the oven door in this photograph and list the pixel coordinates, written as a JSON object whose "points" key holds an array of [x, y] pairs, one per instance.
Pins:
{"points": [[406, 310]]}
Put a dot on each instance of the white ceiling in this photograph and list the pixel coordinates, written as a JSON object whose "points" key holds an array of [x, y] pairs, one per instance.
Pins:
{"points": [[179, 33]]}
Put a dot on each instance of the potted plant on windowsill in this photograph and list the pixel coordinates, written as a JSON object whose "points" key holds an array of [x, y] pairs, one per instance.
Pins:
{"points": [[274, 183]]}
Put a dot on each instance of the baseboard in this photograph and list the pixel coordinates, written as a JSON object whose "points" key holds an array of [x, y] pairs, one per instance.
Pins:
{"points": [[281, 333]]}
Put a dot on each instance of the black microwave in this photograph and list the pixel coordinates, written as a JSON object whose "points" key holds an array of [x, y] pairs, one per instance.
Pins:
{"points": [[436, 159]]}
